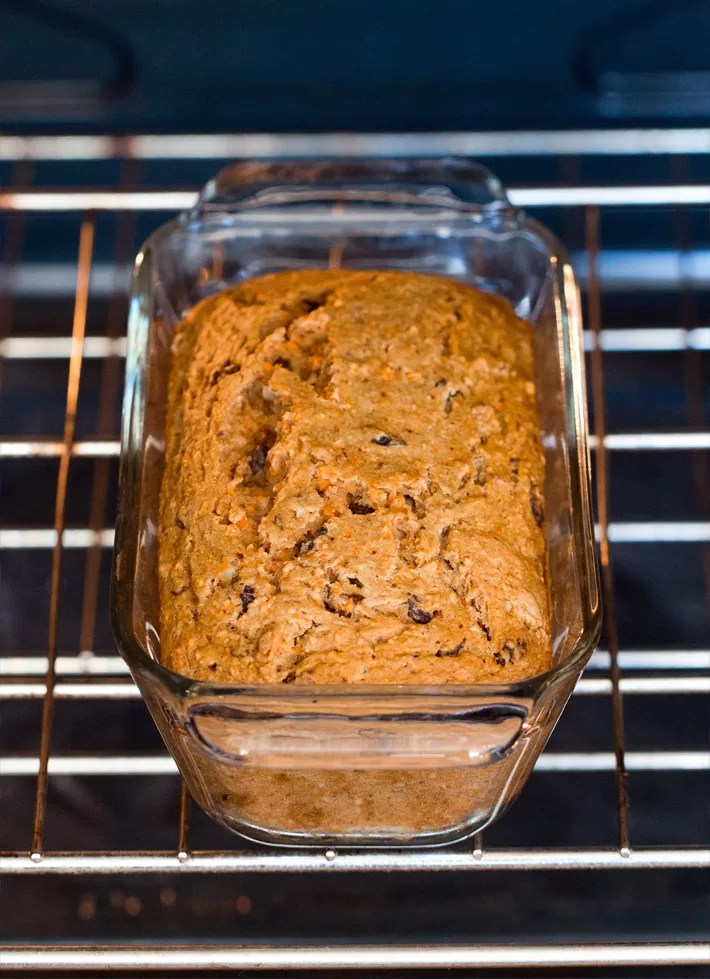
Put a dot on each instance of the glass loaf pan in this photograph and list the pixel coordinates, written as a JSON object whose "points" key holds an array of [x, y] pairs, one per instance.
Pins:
{"points": [[356, 765]]}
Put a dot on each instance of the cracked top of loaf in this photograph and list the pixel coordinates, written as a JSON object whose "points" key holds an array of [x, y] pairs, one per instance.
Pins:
{"points": [[353, 485]]}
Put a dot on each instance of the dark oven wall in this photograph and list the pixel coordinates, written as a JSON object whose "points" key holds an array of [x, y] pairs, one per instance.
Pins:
{"points": [[377, 64]]}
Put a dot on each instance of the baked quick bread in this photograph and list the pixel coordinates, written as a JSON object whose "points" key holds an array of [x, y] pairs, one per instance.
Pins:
{"points": [[353, 485]]}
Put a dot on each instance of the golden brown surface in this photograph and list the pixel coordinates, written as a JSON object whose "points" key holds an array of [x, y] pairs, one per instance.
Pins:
{"points": [[353, 485]]}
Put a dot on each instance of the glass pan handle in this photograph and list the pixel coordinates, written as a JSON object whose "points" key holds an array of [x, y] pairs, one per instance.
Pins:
{"points": [[340, 742]]}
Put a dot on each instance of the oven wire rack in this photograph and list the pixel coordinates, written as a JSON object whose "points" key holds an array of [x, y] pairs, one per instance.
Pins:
{"points": [[84, 676]]}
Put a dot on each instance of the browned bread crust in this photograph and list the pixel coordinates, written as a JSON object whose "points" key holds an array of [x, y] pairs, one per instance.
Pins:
{"points": [[353, 485]]}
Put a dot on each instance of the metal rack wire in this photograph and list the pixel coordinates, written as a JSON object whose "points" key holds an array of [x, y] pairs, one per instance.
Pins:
{"points": [[56, 677]]}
